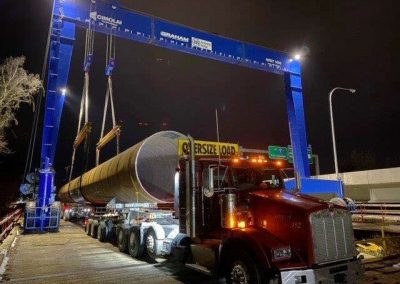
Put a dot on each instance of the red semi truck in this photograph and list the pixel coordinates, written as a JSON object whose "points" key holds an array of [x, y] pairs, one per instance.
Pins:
{"points": [[224, 216]]}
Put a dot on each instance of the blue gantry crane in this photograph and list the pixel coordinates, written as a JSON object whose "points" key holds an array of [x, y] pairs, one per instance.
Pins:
{"points": [[106, 17]]}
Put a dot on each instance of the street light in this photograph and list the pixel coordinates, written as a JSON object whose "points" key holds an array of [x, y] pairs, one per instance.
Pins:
{"points": [[297, 56], [333, 127]]}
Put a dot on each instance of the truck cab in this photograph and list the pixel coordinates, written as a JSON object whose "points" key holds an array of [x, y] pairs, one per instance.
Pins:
{"points": [[242, 224]]}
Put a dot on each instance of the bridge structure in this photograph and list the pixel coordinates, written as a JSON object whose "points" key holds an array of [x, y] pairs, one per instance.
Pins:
{"points": [[376, 195], [379, 185], [70, 256]]}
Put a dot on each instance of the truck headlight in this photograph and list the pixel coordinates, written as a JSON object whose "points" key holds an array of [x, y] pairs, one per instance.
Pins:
{"points": [[281, 253]]}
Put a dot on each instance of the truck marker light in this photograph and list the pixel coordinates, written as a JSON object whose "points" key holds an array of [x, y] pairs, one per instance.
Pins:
{"points": [[264, 224], [236, 160], [241, 224], [232, 221], [254, 160]]}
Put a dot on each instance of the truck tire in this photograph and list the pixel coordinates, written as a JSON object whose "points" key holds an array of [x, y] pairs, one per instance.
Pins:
{"points": [[244, 270], [113, 235], [150, 241], [66, 216], [121, 239], [89, 227], [180, 247], [136, 249], [93, 230], [102, 233]]}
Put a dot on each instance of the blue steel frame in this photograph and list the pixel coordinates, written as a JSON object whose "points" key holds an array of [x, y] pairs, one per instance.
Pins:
{"points": [[105, 17], [62, 38]]}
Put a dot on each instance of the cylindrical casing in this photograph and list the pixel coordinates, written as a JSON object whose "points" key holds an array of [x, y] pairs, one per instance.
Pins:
{"points": [[144, 173], [227, 203]]}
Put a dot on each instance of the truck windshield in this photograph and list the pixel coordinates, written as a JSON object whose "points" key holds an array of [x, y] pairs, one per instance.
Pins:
{"points": [[255, 178]]}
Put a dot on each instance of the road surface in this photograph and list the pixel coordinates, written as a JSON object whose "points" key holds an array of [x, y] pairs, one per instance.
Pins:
{"points": [[70, 256]]}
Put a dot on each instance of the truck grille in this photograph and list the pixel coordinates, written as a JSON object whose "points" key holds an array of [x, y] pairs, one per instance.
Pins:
{"points": [[332, 233]]}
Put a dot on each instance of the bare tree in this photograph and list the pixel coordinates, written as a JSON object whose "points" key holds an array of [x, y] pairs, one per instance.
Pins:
{"points": [[17, 87]]}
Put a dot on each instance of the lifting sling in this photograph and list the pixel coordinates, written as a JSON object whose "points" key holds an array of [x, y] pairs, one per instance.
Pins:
{"points": [[83, 133], [116, 129]]}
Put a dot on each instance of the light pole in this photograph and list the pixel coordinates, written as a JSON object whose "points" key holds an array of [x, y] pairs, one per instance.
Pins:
{"points": [[333, 127]]}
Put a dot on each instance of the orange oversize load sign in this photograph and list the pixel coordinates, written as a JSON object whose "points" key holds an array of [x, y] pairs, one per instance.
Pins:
{"points": [[207, 148]]}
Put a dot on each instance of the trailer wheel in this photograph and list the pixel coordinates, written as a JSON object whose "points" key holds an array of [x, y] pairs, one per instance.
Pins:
{"points": [[150, 239], [136, 249], [113, 235], [89, 227], [102, 233], [93, 230], [244, 270], [122, 243]]}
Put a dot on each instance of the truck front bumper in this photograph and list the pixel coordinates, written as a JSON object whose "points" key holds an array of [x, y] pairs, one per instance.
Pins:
{"points": [[348, 272]]}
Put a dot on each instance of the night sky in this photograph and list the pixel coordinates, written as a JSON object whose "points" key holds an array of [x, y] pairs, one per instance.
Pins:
{"points": [[353, 44]]}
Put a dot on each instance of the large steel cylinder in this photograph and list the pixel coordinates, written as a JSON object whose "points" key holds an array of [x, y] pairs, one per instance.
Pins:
{"points": [[144, 173]]}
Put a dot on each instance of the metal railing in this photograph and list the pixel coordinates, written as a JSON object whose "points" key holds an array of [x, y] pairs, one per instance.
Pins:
{"points": [[378, 219], [384, 213], [8, 222]]}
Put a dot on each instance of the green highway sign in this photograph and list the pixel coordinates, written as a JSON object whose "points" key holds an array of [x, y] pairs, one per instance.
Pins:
{"points": [[286, 153], [290, 154], [277, 152]]}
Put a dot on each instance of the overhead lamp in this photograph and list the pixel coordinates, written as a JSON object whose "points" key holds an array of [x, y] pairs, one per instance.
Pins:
{"points": [[297, 56]]}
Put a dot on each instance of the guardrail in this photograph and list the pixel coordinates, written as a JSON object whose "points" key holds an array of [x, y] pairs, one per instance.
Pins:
{"points": [[8, 222], [384, 213]]}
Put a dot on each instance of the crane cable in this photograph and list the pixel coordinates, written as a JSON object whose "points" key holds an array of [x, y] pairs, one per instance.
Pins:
{"points": [[84, 106], [110, 64]]}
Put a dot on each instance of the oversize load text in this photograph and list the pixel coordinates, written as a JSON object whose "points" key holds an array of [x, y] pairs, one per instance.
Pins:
{"points": [[208, 148]]}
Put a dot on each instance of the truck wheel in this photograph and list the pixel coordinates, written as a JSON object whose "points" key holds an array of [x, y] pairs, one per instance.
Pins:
{"points": [[150, 239], [102, 233], [244, 270], [93, 231], [122, 243], [136, 249], [88, 227], [113, 235]]}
